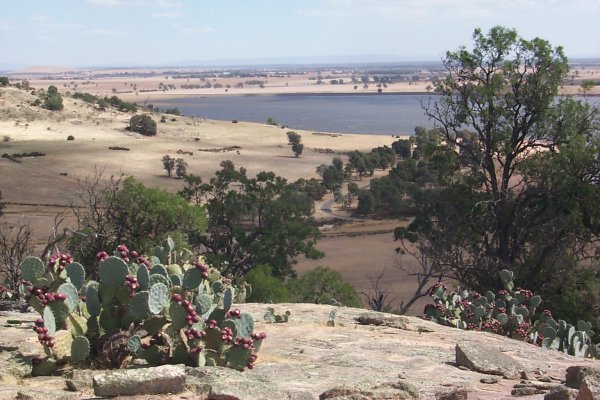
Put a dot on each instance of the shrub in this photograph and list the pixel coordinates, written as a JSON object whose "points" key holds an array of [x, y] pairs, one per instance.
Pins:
{"points": [[53, 101], [266, 288], [4, 81], [271, 121], [138, 309], [143, 124], [296, 141], [70, 137], [323, 286]]}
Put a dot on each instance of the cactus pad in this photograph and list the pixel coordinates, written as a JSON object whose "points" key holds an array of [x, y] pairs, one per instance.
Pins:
{"points": [[192, 279], [134, 344], [176, 280], [158, 298], [76, 324], [92, 301], [113, 271], [70, 291], [154, 324], [158, 278], [76, 274], [49, 320], [143, 277], [174, 269], [159, 269], [216, 286], [238, 357], [61, 313], [160, 254], [62, 347], [245, 325], [80, 348], [44, 367], [178, 314], [227, 299], [203, 304], [139, 307], [32, 269]]}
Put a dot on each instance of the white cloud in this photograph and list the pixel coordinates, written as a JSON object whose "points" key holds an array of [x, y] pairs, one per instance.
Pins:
{"points": [[324, 13], [168, 14], [104, 32], [195, 30], [109, 3], [39, 18], [167, 4]]}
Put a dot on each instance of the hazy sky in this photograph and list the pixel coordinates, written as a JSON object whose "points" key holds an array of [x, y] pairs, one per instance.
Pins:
{"points": [[167, 32]]}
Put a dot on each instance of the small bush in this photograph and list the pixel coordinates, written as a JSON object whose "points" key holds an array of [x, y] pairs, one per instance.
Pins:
{"points": [[70, 137], [143, 124], [235, 121], [53, 102], [271, 121], [266, 288], [3, 81]]}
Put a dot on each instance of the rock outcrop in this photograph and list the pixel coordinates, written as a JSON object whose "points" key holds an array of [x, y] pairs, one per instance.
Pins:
{"points": [[364, 355]]}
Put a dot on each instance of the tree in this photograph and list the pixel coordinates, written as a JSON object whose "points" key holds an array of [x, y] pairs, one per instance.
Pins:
{"points": [[124, 211], [507, 196], [255, 221], [143, 124], [402, 148], [353, 189], [322, 286], [4, 81], [366, 202], [168, 164], [181, 167], [296, 141]]}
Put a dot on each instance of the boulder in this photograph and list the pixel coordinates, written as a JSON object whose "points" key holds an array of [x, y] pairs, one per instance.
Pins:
{"points": [[561, 393], [487, 360], [155, 380], [590, 387]]}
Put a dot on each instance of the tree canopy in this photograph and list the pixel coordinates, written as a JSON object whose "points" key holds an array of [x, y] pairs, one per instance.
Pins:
{"points": [[253, 221], [516, 168]]}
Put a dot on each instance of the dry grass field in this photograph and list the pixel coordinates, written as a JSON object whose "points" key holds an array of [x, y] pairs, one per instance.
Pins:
{"points": [[39, 188]]}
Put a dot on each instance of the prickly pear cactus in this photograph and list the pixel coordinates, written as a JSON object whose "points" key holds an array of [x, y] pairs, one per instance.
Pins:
{"points": [[145, 307], [509, 312]]}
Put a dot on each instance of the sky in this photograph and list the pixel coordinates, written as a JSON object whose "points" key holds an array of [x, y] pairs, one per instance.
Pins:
{"points": [[80, 33]]}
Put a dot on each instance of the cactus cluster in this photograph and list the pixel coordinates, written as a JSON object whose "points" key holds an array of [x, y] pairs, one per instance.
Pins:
{"points": [[510, 312], [141, 307]]}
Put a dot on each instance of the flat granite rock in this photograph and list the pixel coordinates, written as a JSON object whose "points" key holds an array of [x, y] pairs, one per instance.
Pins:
{"points": [[487, 360], [157, 380]]}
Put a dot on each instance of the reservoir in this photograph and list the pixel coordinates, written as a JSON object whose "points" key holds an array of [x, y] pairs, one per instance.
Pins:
{"points": [[374, 114]]}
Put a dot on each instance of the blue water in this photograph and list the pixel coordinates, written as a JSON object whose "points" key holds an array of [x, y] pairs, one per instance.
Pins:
{"points": [[377, 114]]}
